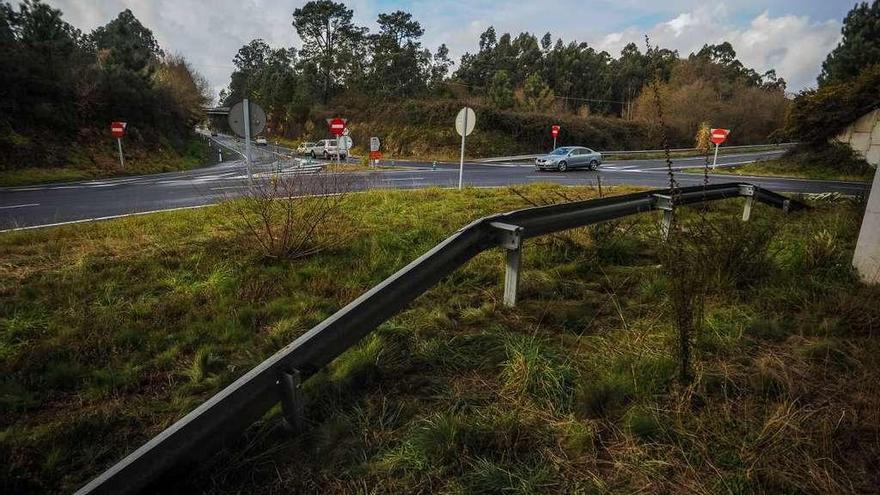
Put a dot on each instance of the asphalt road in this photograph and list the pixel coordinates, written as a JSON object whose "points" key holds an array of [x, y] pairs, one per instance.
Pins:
{"points": [[50, 204]]}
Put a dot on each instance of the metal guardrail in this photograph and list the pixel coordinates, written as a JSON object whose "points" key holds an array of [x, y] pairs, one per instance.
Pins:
{"points": [[277, 379], [519, 158]]}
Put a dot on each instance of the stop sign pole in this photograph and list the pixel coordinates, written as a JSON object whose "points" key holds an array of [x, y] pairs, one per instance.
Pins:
{"points": [[554, 130], [718, 136], [337, 128], [117, 129]]}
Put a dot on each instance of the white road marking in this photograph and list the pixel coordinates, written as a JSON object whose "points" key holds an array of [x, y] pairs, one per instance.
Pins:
{"points": [[18, 206], [110, 217], [404, 178]]}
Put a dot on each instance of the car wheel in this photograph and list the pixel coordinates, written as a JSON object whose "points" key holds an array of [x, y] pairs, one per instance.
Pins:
{"points": [[594, 165], [342, 157], [563, 166]]}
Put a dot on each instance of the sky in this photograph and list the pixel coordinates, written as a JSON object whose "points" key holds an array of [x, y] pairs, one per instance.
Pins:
{"points": [[793, 37]]}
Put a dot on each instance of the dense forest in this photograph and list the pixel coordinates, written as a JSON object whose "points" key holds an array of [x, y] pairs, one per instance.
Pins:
{"points": [[343, 68], [60, 88]]}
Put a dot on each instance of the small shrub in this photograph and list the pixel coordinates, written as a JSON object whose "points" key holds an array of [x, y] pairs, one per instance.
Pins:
{"points": [[603, 396], [289, 217], [532, 371], [644, 424], [772, 329], [578, 438], [492, 477], [205, 362]]}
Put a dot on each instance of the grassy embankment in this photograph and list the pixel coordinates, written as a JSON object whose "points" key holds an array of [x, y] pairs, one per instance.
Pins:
{"points": [[95, 162], [110, 331], [831, 163]]}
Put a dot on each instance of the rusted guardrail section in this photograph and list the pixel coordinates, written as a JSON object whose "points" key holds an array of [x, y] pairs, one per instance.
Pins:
{"points": [[277, 379]]}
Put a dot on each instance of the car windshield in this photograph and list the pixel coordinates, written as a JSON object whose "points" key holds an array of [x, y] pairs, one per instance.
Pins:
{"points": [[331, 143], [560, 151]]}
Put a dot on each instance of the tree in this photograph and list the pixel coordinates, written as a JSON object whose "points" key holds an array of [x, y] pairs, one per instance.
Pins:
{"points": [[500, 92], [537, 95], [399, 65], [126, 43], [330, 40], [859, 48], [440, 66], [188, 90]]}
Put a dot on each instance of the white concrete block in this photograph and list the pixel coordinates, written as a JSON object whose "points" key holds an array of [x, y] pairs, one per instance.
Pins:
{"points": [[867, 255], [873, 155]]}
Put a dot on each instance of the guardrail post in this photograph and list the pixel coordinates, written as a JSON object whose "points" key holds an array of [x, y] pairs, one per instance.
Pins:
{"points": [[749, 193], [664, 202], [292, 400], [511, 241]]}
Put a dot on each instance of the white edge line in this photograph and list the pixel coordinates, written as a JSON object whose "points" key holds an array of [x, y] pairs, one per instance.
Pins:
{"points": [[18, 206], [110, 217]]}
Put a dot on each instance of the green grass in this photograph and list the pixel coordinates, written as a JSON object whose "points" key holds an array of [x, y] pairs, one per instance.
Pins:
{"points": [[97, 163], [828, 163], [110, 331]]}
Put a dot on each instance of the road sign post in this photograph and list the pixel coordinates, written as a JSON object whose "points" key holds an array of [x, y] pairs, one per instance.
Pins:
{"points": [[464, 125], [337, 128], [247, 119], [554, 131], [718, 136], [247, 142], [374, 150], [117, 130]]}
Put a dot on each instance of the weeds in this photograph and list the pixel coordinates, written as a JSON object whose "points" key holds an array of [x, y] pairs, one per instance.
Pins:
{"points": [[108, 332], [290, 217]]}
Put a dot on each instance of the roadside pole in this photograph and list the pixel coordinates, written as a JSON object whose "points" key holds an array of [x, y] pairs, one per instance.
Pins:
{"points": [[717, 136], [715, 160], [117, 130], [121, 159], [464, 125], [247, 143], [554, 143], [461, 160]]}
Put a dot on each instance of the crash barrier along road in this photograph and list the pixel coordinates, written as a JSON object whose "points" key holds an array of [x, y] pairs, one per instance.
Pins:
{"points": [[744, 148], [278, 378]]}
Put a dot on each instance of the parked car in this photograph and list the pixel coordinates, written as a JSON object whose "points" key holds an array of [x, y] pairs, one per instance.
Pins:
{"points": [[329, 149], [325, 148], [261, 141], [569, 157]]}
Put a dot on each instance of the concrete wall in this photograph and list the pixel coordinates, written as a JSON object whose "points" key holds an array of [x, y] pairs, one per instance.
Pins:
{"points": [[863, 136]]}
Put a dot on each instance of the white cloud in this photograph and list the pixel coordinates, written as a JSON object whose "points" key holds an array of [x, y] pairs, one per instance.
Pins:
{"points": [[210, 32], [793, 45]]}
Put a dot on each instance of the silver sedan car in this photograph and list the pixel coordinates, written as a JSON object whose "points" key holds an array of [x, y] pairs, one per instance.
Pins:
{"points": [[569, 157]]}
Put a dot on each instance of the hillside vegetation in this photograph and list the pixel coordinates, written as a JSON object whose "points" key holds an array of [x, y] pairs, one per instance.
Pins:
{"points": [[389, 85], [110, 331], [61, 88]]}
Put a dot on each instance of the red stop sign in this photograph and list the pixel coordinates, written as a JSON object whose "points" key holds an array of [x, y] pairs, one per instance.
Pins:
{"points": [[337, 126], [554, 130], [117, 129], [718, 136]]}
